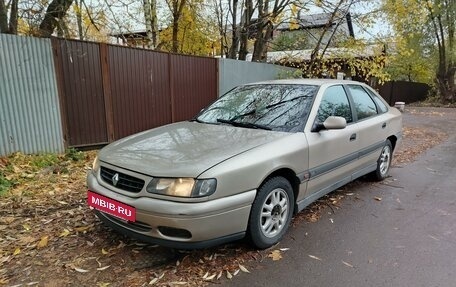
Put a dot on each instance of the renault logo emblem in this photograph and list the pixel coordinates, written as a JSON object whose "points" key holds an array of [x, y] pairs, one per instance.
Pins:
{"points": [[115, 179]]}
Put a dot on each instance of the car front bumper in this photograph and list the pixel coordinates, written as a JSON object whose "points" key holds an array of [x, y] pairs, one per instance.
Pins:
{"points": [[180, 224]]}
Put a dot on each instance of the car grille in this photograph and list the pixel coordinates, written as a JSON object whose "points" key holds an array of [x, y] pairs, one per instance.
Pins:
{"points": [[125, 182]]}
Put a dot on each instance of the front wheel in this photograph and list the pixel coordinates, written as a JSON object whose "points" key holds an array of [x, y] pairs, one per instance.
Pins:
{"points": [[383, 162], [271, 212]]}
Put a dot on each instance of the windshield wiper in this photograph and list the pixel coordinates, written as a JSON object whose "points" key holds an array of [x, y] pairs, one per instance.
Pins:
{"points": [[244, 125], [202, 122]]}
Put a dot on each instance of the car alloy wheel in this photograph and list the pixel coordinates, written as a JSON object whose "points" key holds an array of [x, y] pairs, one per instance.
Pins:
{"points": [[383, 162], [271, 212], [274, 212]]}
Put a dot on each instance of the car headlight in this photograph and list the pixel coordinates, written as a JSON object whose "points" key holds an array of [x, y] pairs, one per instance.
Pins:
{"points": [[182, 187], [95, 165]]}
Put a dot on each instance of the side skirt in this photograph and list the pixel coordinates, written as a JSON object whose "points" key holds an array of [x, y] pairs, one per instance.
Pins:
{"points": [[314, 196]]}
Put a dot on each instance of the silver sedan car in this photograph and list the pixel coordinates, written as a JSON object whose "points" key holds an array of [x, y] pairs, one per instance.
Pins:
{"points": [[246, 164]]}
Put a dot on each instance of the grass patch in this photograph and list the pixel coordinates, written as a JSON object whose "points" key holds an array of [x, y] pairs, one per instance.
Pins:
{"points": [[44, 160], [5, 184], [74, 155]]}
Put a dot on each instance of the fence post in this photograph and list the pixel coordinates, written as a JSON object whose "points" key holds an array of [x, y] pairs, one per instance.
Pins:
{"points": [[171, 89], [57, 55], [107, 91], [391, 94]]}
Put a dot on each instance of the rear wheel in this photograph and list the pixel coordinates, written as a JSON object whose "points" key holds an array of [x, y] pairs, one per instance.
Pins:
{"points": [[383, 162], [271, 212]]}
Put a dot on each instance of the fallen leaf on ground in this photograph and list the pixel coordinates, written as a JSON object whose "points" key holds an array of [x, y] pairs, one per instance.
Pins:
{"points": [[81, 270], [243, 269], [378, 198], [228, 274], [347, 264], [275, 255], [17, 251], [64, 233], [103, 268], [82, 228], [315, 257], [43, 242], [103, 284], [104, 252], [209, 278]]}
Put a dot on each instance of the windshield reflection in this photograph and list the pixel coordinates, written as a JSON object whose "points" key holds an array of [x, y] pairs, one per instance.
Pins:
{"points": [[278, 107]]}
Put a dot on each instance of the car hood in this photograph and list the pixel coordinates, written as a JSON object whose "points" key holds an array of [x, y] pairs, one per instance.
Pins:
{"points": [[184, 149]]}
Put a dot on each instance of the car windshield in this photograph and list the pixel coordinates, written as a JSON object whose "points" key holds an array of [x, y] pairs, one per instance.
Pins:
{"points": [[279, 107]]}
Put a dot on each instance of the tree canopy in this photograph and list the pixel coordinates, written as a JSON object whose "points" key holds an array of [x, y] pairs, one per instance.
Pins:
{"points": [[424, 42]]}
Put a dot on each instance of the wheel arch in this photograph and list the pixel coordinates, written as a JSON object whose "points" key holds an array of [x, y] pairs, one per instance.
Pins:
{"points": [[393, 140], [289, 175]]}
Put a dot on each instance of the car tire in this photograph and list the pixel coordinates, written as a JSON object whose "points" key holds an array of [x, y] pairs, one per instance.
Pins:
{"points": [[271, 212], [383, 162]]}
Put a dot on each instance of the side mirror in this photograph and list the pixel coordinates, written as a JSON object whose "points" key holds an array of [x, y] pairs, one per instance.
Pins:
{"points": [[331, 123]]}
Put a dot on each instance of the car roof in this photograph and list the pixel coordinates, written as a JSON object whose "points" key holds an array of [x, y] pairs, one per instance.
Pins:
{"points": [[317, 82]]}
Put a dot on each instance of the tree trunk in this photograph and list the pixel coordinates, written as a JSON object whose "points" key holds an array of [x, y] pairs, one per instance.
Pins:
{"points": [[148, 20], [175, 34], [11, 27], [315, 56], [154, 23], [234, 31], [261, 44], [13, 17], [265, 27], [55, 12], [176, 8], [445, 82], [79, 19], [245, 26], [3, 17], [259, 29], [222, 27]]}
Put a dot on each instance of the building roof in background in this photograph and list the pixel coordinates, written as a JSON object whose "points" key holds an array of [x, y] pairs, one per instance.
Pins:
{"points": [[335, 53], [320, 20], [132, 34]]}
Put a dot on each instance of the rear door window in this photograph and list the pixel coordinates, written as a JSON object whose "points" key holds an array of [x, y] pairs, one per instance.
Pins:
{"points": [[380, 104], [364, 105]]}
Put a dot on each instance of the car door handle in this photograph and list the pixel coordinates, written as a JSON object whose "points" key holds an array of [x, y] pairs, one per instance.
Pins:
{"points": [[353, 137], [383, 125]]}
